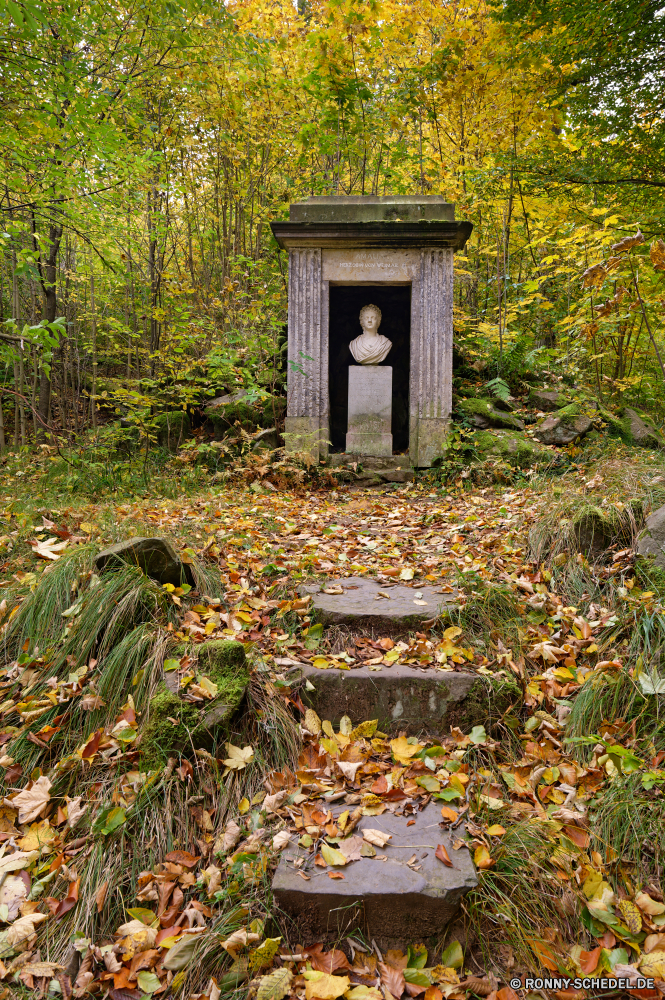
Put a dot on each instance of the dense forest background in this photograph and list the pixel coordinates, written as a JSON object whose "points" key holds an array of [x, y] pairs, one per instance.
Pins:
{"points": [[145, 148]]}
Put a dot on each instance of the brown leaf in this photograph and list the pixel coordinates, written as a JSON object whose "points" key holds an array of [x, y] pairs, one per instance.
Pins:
{"points": [[182, 858], [392, 979], [100, 896], [442, 854], [589, 960], [70, 900], [328, 961]]}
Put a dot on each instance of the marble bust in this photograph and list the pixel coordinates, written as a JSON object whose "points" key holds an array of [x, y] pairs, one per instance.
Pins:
{"points": [[370, 347]]}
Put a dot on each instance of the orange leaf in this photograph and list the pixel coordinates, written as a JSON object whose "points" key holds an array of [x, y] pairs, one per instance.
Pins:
{"points": [[433, 993], [70, 900], [505, 993], [589, 960], [335, 875], [448, 814], [100, 896], [578, 836], [442, 854], [545, 954], [182, 858]]}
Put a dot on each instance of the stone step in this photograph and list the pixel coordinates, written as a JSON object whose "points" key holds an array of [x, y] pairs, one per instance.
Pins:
{"points": [[394, 462], [372, 470], [385, 899], [367, 604], [406, 698]]}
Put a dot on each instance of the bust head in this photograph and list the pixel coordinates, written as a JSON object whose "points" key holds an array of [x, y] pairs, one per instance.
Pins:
{"points": [[370, 319]]}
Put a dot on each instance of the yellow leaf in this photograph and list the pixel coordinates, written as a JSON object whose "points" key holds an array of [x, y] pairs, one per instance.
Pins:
{"points": [[649, 905], [482, 858], [243, 806], [331, 856], [496, 830], [631, 915], [653, 965], [403, 751], [365, 730], [406, 574], [324, 987], [238, 758], [452, 632]]}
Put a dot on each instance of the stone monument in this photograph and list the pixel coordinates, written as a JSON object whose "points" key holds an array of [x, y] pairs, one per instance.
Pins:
{"points": [[399, 250], [370, 390]]}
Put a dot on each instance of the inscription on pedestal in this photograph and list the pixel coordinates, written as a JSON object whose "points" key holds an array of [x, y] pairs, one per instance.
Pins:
{"points": [[370, 410]]}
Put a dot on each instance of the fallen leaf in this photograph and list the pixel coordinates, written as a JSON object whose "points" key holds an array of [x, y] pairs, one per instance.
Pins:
{"points": [[31, 802], [442, 854], [321, 986]]}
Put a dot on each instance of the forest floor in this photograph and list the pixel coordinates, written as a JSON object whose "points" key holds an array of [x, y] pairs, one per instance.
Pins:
{"points": [[128, 880]]}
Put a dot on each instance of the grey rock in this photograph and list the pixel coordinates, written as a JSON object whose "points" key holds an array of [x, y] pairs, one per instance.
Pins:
{"points": [[562, 429], [641, 432], [547, 400], [403, 697], [651, 542], [362, 605], [231, 397], [386, 900], [269, 439], [155, 556]]}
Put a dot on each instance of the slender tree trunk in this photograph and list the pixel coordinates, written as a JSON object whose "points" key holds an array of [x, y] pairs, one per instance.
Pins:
{"points": [[93, 388]]}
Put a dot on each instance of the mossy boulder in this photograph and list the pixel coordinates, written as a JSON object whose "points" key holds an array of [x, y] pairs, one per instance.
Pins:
{"points": [[633, 427], [595, 530], [484, 413], [171, 429], [564, 426], [510, 446], [547, 400], [196, 725], [224, 412]]}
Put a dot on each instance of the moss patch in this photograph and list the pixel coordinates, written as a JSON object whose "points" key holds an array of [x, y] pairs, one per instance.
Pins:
{"points": [[197, 725], [486, 703], [483, 412], [512, 447]]}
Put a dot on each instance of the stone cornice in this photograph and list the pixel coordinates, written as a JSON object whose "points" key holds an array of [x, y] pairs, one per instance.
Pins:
{"points": [[371, 235]]}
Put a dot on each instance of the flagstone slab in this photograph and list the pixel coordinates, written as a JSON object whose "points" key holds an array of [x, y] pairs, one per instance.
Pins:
{"points": [[387, 900], [367, 603], [403, 697]]}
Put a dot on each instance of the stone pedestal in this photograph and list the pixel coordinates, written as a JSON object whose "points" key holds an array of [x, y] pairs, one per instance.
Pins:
{"points": [[370, 410]]}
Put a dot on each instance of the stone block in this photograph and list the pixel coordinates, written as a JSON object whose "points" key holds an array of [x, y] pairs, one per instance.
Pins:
{"points": [[155, 556], [652, 540], [370, 410], [306, 434], [386, 900], [405, 698], [362, 604]]}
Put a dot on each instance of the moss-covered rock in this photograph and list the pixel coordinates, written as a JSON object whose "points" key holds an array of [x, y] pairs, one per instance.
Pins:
{"points": [[564, 426], [196, 725], [484, 413], [510, 446], [223, 413], [594, 529], [633, 427], [547, 400], [171, 429]]}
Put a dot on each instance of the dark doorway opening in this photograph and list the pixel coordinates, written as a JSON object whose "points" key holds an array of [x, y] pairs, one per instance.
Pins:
{"points": [[346, 301]]}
